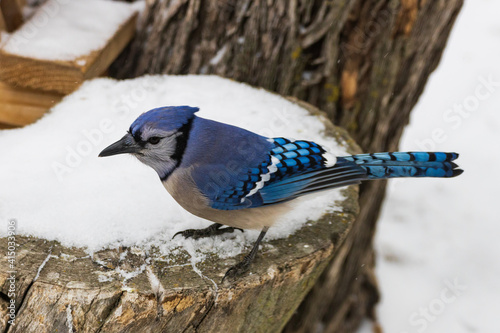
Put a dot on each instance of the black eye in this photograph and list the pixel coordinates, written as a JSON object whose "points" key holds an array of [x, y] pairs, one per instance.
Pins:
{"points": [[154, 140]]}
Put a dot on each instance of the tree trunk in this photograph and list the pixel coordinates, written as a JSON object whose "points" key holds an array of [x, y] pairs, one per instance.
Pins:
{"points": [[363, 62]]}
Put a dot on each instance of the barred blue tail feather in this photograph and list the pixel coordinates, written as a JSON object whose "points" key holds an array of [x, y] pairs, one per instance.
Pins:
{"points": [[350, 170], [410, 164], [341, 174]]}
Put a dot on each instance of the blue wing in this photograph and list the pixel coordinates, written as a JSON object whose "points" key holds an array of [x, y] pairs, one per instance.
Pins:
{"points": [[228, 186], [302, 170], [281, 170], [288, 170]]}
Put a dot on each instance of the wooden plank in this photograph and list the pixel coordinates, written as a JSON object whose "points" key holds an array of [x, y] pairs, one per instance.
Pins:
{"points": [[20, 115], [98, 62], [14, 95], [6, 126], [55, 76], [21, 3], [64, 76], [12, 14], [20, 106], [3, 26]]}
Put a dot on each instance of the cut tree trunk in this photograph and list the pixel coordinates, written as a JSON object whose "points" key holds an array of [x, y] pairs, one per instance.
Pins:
{"points": [[363, 62], [61, 289]]}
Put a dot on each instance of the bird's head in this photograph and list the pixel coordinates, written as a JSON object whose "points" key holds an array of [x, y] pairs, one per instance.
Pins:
{"points": [[157, 138]]}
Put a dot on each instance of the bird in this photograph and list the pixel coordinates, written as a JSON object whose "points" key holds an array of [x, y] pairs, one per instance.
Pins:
{"points": [[242, 180]]}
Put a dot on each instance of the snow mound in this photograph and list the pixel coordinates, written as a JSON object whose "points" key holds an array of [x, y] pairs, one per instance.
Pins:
{"points": [[57, 188]]}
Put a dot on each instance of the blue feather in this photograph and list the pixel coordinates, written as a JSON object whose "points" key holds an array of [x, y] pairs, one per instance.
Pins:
{"points": [[409, 164], [168, 118], [296, 168]]}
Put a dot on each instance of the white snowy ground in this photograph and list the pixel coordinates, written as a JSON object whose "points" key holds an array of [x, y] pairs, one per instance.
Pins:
{"points": [[55, 186], [438, 245]]}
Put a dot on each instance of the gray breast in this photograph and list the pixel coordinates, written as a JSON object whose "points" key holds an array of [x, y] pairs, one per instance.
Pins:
{"points": [[183, 189]]}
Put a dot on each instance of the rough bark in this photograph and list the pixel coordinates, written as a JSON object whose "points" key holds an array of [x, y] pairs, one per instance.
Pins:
{"points": [[363, 62], [60, 289]]}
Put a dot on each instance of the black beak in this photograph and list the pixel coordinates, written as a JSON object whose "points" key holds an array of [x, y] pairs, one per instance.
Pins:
{"points": [[125, 145]]}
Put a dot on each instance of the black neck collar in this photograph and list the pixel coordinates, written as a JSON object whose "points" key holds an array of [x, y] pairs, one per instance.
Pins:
{"points": [[182, 141]]}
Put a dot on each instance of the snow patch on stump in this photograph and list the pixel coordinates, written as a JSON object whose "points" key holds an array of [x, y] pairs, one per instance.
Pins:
{"points": [[57, 188]]}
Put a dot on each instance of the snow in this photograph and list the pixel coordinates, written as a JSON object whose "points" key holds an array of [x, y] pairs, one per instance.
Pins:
{"points": [[437, 240], [44, 262], [68, 29], [155, 283], [57, 188], [218, 56], [69, 318]]}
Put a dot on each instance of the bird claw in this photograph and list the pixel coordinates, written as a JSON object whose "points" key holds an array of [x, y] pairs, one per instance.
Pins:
{"points": [[213, 230], [186, 233], [237, 270]]}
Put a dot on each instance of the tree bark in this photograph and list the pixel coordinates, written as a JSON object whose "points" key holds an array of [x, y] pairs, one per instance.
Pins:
{"points": [[363, 62]]}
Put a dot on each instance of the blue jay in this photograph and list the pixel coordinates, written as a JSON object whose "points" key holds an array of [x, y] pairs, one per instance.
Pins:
{"points": [[242, 180]]}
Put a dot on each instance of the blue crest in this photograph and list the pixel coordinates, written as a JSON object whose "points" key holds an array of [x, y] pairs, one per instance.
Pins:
{"points": [[167, 118]]}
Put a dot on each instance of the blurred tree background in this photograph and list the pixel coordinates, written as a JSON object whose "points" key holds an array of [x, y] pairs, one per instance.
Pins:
{"points": [[364, 63]]}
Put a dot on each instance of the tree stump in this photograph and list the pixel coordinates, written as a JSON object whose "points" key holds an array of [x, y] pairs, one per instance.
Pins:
{"points": [[363, 62], [60, 289]]}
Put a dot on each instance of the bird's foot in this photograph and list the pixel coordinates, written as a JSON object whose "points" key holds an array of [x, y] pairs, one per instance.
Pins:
{"points": [[213, 230], [239, 269], [243, 266]]}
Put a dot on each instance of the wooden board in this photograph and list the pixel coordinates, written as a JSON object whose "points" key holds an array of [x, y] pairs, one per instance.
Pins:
{"points": [[64, 76], [98, 62], [20, 115], [21, 3], [21, 106], [3, 26], [12, 14]]}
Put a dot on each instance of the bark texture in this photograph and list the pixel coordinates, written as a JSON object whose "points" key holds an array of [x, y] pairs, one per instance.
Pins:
{"points": [[60, 289], [363, 62]]}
